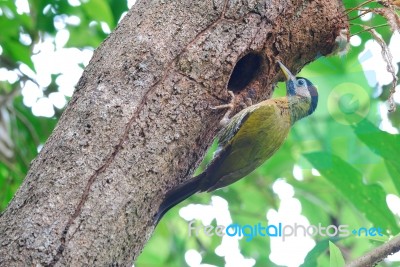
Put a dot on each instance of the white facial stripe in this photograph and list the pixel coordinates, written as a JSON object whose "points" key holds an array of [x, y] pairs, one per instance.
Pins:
{"points": [[303, 91], [301, 88]]}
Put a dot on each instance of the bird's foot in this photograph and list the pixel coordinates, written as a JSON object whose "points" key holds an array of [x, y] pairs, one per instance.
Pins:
{"points": [[230, 108]]}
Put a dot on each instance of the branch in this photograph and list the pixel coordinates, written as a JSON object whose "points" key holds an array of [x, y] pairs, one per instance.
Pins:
{"points": [[378, 254]]}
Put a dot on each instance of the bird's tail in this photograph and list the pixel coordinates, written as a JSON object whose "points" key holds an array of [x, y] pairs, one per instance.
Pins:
{"points": [[179, 194]]}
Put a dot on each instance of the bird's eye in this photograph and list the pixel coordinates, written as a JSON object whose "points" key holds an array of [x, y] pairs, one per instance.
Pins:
{"points": [[301, 82]]}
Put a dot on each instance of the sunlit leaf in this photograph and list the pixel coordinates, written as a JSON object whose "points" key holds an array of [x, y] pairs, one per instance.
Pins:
{"points": [[99, 10], [312, 256], [336, 257], [18, 52], [383, 144], [369, 199]]}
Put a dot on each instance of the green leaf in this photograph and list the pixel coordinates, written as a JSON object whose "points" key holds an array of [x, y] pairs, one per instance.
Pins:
{"points": [[91, 36], [18, 52], [99, 10], [369, 199], [377, 238], [317, 251], [9, 30], [117, 8], [383, 144], [312, 256], [336, 257]]}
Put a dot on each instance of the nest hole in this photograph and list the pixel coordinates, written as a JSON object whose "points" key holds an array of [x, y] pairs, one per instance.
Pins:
{"points": [[246, 69]]}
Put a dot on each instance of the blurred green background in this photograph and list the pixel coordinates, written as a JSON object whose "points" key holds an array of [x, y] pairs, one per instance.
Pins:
{"points": [[338, 167]]}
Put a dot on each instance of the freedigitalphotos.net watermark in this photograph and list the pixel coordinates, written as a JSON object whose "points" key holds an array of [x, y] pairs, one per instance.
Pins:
{"points": [[280, 230]]}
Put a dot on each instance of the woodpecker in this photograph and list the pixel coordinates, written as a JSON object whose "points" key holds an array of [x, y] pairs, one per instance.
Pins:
{"points": [[250, 137]]}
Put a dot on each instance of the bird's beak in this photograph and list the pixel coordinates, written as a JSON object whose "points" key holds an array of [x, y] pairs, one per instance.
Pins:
{"points": [[289, 76]]}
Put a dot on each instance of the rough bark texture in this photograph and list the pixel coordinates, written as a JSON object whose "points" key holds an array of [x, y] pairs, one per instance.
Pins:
{"points": [[140, 121]]}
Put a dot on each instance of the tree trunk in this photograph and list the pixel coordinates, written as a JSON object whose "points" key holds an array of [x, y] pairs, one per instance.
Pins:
{"points": [[140, 121]]}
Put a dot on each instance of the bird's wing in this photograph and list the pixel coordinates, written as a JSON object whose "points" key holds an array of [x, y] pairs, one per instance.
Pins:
{"points": [[260, 133], [231, 129]]}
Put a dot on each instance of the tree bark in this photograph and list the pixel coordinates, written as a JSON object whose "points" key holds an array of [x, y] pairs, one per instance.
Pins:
{"points": [[140, 121], [378, 254]]}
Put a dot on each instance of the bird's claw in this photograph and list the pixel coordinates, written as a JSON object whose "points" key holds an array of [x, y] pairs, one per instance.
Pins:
{"points": [[224, 121], [231, 104]]}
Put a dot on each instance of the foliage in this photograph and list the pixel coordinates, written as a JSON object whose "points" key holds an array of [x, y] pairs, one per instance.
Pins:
{"points": [[24, 29], [338, 162], [335, 256]]}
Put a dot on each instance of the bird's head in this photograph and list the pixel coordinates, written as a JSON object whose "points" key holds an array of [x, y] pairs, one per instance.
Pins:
{"points": [[298, 86]]}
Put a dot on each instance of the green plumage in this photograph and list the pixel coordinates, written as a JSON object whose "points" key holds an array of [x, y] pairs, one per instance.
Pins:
{"points": [[251, 137]]}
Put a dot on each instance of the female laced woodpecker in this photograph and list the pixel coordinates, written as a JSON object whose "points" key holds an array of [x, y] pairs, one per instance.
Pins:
{"points": [[249, 138]]}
